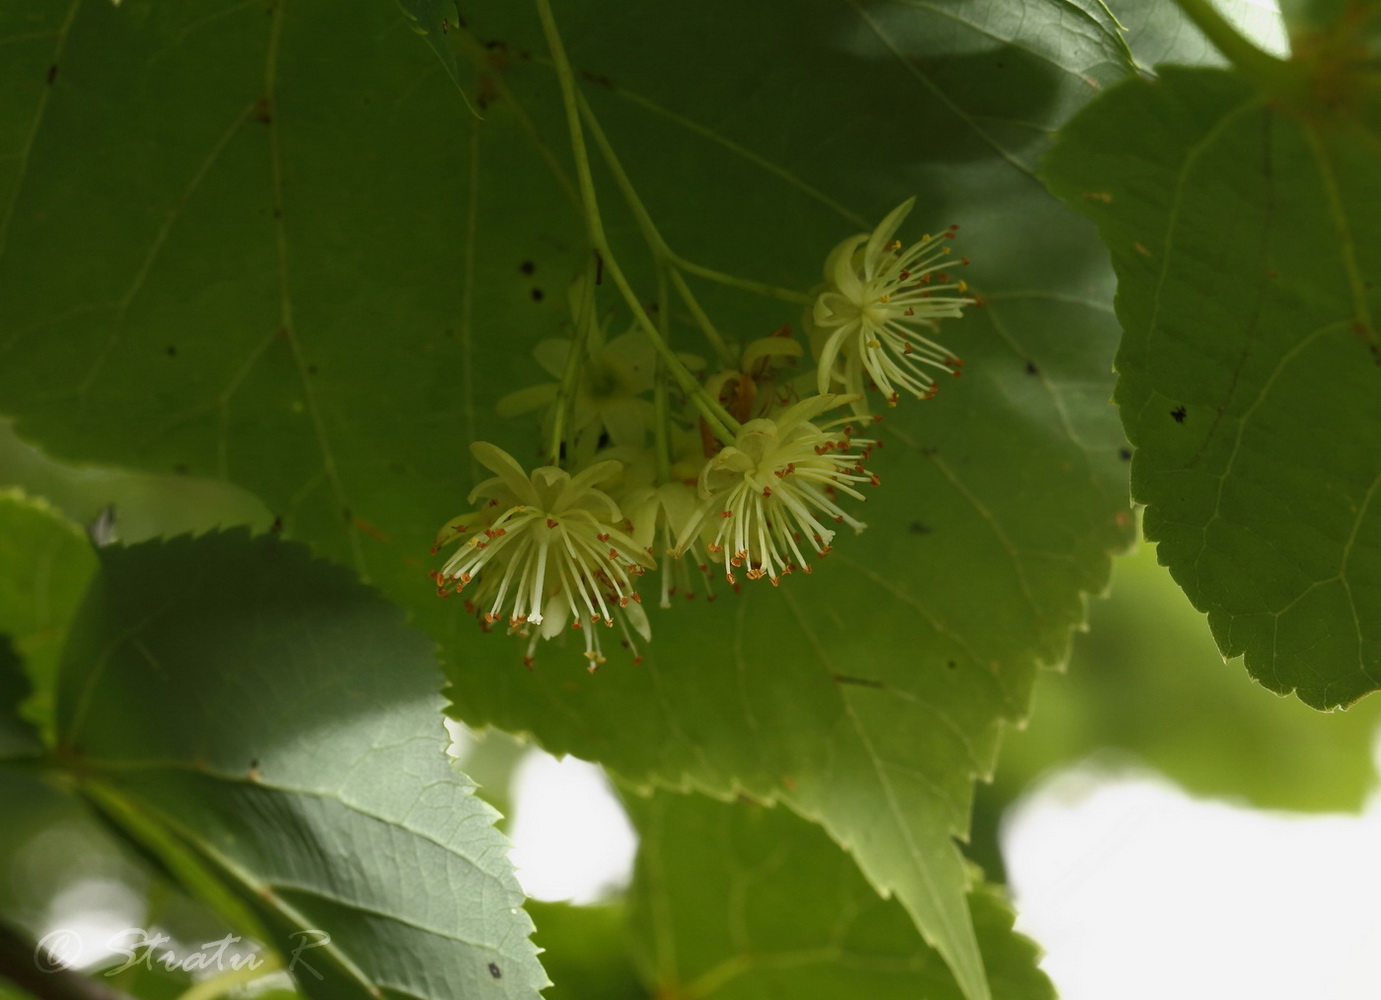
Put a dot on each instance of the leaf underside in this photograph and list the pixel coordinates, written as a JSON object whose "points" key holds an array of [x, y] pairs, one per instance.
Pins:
{"points": [[263, 722]]}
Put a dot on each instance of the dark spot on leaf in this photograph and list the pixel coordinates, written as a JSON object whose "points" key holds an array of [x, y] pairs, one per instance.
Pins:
{"points": [[603, 81], [311, 369], [263, 111], [527, 267], [348, 514], [537, 295], [277, 213], [1179, 414], [180, 469], [917, 528], [171, 351], [1031, 368], [52, 73], [930, 451], [254, 764], [951, 664], [1125, 454], [494, 970], [277, 526]]}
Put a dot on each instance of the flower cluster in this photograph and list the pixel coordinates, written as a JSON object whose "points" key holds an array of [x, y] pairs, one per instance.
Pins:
{"points": [[744, 474]]}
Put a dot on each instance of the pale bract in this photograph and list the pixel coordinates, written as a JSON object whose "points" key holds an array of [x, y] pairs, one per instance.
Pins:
{"points": [[546, 548], [766, 498], [867, 323]]}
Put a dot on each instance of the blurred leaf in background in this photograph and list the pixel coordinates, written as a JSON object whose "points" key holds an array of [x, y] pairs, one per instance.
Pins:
{"points": [[1147, 682]]}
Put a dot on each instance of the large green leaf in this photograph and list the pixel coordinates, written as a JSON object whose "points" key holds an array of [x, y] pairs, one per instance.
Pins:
{"points": [[1247, 241], [732, 901], [298, 262], [265, 723]]}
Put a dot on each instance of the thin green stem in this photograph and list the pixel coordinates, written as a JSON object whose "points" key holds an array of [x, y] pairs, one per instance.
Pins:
{"points": [[720, 420], [660, 246], [745, 284], [1268, 72], [218, 986], [583, 316], [662, 415]]}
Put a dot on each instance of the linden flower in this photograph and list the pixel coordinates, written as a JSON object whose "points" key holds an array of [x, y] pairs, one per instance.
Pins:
{"points": [[545, 549], [767, 495], [609, 395], [867, 320]]}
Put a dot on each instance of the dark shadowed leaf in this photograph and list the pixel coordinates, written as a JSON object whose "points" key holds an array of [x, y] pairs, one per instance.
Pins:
{"points": [[1247, 240]]}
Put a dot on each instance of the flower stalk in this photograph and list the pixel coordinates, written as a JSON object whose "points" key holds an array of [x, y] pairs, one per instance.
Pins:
{"points": [[720, 420]]}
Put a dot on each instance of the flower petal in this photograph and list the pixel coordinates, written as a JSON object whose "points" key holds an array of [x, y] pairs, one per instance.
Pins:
{"points": [[882, 236], [498, 461], [526, 400]]}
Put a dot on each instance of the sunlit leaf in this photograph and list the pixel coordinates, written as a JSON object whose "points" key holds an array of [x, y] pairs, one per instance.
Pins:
{"points": [[263, 721]]}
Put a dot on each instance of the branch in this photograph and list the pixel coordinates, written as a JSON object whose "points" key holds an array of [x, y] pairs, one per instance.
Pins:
{"points": [[20, 965]]}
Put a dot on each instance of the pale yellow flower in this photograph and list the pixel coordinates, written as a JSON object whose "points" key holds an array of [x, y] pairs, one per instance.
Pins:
{"points": [[868, 320], [766, 498], [545, 549]]}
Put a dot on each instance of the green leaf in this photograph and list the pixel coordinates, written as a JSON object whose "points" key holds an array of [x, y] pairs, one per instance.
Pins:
{"points": [[297, 263], [1148, 679], [18, 736], [585, 951], [734, 900], [247, 712], [45, 564], [1158, 31], [138, 505], [434, 20], [1246, 242]]}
